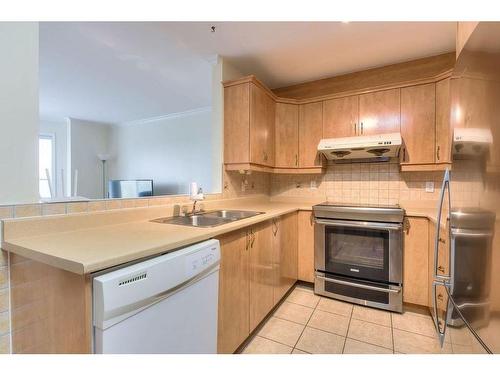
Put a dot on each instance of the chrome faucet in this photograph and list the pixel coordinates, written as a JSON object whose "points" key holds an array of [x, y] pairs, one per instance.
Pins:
{"points": [[195, 198]]}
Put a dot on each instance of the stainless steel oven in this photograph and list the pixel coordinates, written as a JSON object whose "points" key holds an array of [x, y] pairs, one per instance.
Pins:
{"points": [[359, 254]]}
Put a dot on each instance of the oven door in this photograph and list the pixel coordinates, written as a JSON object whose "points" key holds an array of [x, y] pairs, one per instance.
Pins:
{"points": [[364, 250]]}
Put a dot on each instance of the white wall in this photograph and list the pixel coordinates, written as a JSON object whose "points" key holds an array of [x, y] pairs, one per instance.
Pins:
{"points": [[87, 140], [18, 112], [60, 132], [173, 151], [222, 70]]}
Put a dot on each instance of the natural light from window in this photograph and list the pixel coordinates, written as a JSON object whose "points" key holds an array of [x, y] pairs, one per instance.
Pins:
{"points": [[45, 162]]}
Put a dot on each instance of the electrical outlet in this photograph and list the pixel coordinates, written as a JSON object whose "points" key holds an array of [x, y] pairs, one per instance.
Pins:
{"points": [[313, 185], [429, 187]]}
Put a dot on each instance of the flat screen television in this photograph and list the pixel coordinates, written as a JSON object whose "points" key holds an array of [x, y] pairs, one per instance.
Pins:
{"points": [[130, 188]]}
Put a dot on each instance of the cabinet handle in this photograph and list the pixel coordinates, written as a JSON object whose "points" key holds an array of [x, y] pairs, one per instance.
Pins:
{"points": [[437, 152], [406, 226], [275, 227], [442, 240], [361, 128], [247, 241], [296, 159], [253, 238], [354, 128], [441, 269], [440, 297]]}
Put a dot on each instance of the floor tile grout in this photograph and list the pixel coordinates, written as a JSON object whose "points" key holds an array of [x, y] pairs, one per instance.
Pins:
{"points": [[301, 333], [348, 326]]}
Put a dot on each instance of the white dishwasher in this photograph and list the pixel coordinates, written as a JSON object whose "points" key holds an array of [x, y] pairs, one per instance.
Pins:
{"points": [[166, 304]]}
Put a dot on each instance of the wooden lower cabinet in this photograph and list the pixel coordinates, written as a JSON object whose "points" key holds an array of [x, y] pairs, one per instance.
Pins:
{"points": [[258, 266], [415, 261], [284, 254], [261, 273], [305, 271], [234, 283]]}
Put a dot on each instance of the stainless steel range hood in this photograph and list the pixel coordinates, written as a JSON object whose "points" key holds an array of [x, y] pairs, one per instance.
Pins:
{"points": [[381, 146]]}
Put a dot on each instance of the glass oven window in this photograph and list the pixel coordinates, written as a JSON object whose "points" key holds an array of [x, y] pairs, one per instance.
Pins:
{"points": [[357, 252]]}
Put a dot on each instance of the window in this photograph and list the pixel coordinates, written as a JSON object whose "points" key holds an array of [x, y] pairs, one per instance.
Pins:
{"points": [[46, 162]]}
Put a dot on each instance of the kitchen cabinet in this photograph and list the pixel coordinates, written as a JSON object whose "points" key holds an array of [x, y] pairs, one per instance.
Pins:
{"points": [[249, 115], [261, 272], [415, 261], [443, 264], [234, 298], [340, 117], [310, 133], [379, 112], [305, 271], [444, 132], [287, 135], [284, 254], [418, 112]]}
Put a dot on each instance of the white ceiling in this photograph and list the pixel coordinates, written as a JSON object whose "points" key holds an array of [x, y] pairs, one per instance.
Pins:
{"points": [[118, 72]]}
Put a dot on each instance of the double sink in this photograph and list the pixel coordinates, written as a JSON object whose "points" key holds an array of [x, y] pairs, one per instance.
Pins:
{"points": [[208, 219]]}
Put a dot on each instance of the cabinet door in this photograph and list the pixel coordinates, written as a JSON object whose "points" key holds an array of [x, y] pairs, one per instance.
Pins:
{"points": [[305, 270], [234, 304], [261, 273], [418, 119], [262, 116], [416, 267], [237, 123], [340, 117], [443, 126], [310, 133], [287, 135], [285, 254], [379, 112]]}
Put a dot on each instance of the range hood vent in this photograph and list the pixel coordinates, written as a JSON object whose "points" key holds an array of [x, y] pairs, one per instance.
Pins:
{"points": [[380, 147], [471, 143]]}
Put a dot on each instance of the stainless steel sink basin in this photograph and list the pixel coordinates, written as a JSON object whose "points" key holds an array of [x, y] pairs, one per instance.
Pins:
{"points": [[193, 220], [208, 219], [232, 214]]}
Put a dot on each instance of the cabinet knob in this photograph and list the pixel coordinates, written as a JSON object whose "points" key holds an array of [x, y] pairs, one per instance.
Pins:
{"points": [[442, 240], [441, 269], [440, 297]]}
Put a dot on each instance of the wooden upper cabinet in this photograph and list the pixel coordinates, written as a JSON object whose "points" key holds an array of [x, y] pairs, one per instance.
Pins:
{"points": [[287, 135], [310, 133], [444, 132], [234, 305], [237, 123], [418, 118], [379, 112], [340, 117], [249, 114], [262, 116]]}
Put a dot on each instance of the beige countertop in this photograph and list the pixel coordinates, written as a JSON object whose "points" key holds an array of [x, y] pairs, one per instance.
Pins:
{"points": [[96, 248], [76, 245]]}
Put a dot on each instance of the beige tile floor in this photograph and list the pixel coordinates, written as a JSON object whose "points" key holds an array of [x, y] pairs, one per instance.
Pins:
{"points": [[306, 323]]}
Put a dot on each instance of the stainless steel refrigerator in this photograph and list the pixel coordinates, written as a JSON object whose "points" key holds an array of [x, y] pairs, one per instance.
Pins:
{"points": [[466, 264]]}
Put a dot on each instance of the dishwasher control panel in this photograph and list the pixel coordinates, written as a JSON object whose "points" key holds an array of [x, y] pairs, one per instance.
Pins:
{"points": [[200, 260]]}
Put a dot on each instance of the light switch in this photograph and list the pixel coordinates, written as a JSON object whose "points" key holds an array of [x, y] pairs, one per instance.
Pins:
{"points": [[429, 187]]}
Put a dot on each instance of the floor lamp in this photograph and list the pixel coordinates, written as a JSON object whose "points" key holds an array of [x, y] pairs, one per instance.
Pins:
{"points": [[103, 158]]}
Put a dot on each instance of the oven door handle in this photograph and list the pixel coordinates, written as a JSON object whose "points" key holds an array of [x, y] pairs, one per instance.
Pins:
{"points": [[359, 224], [396, 289]]}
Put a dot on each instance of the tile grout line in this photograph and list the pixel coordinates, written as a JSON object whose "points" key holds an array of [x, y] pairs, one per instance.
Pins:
{"points": [[301, 333], [392, 334], [348, 326]]}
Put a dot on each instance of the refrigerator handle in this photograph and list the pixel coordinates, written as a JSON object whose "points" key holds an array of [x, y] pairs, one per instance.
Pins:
{"points": [[445, 188], [441, 332]]}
